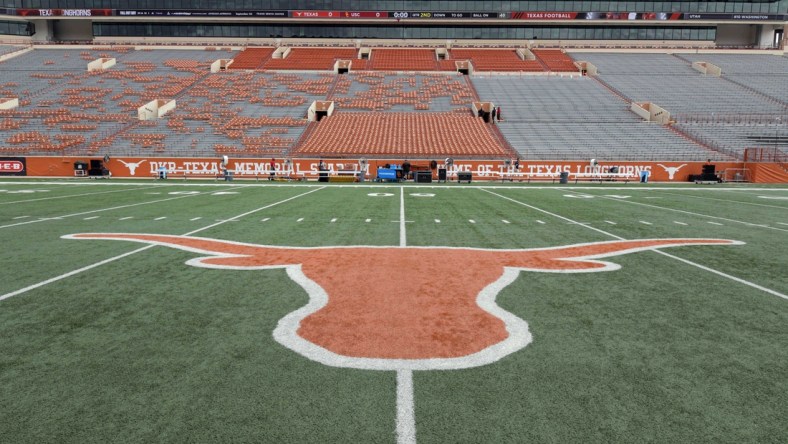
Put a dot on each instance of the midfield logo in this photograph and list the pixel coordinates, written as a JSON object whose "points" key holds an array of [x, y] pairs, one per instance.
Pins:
{"points": [[402, 308]]}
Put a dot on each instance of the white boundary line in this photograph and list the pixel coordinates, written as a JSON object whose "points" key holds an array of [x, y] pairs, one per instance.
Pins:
{"points": [[702, 267], [749, 224], [729, 201], [69, 196], [105, 209], [121, 256]]}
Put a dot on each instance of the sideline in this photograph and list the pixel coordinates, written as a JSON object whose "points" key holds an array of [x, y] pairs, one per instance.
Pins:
{"points": [[44, 219], [702, 267], [121, 256], [69, 196]]}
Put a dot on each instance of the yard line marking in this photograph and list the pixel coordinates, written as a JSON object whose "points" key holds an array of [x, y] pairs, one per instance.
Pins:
{"points": [[679, 223], [121, 256], [108, 209], [69, 196], [300, 220], [730, 201], [725, 275], [645, 223], [471, 221], [540, 222], [714, 223], [406, 411], [126, 218], [20, 217], [749, 224], [160, 218], [610, 222], [333, 220], [505, 221], [702, 267], [402, 234], [91, 218], [195, 218], [437, 221]]}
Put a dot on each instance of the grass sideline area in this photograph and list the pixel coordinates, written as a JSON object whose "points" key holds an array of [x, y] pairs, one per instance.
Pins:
{"points": [[116, 341]]}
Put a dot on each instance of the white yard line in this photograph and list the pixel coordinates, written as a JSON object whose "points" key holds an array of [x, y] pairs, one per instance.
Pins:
{"points": [[106, 209], [70, 196], [406, 410], [702, 267], [749, 224], [403, 238], [121, 256], [729, 201]]}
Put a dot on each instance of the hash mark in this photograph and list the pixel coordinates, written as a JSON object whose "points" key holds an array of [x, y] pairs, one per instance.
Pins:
{"points": [[300, 220], [471, 221], [540, 222], [333, 220], [505, 221], [679, 223], [91, 218], [160, 218], [368, 220], [610, 222], [437, 221], [715, 223], [195, 218], [21, 217], [126, 218], [265, 220], [645, 223]]}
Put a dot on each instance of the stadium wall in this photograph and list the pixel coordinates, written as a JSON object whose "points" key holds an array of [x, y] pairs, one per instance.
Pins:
{"points": [[146, 168]]}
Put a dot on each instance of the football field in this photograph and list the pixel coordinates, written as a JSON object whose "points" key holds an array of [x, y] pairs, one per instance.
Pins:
{"points": [[182, 311]]}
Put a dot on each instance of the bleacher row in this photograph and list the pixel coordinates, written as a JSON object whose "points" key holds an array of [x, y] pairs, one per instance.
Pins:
{"points": [[388, 59], [254, 112]]}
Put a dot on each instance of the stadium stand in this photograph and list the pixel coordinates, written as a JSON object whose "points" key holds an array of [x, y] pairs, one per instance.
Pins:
{"points": [[314, 59], [498, 60], [403, 60], [251, 58], [423, 135]]}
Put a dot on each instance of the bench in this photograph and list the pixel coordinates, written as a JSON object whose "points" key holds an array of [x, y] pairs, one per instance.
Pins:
{"points": [[511, 176], [600, 177]]}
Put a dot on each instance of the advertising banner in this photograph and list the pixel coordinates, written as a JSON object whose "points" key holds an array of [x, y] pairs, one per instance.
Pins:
{"points": [[13, 166]]}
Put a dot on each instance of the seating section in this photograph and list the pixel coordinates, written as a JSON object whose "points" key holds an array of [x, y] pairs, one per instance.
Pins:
{"points": [[427, 135], [7, 49], [727, 114], [577, 118], [403, 60], [555, 60], [64, 110], [317, 59], [251, 58], [378, 91], [498, 60]]}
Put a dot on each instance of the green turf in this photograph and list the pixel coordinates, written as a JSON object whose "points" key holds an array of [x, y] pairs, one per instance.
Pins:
{"points": [[146, 348]]}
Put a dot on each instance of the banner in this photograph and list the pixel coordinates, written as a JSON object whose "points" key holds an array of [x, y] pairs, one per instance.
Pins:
{"points": [[491, 170], [13, 166]]}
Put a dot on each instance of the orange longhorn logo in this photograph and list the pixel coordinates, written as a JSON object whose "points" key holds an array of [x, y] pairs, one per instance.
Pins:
{"points": [[394, 308]]}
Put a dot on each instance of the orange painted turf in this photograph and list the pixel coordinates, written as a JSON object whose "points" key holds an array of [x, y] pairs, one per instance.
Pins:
{"points": [[402, 303]]}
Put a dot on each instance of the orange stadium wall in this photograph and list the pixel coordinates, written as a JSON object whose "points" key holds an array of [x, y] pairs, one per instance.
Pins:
{"points": [[146, 167]]}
